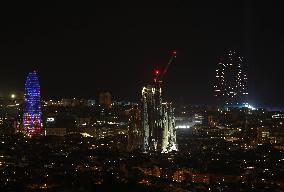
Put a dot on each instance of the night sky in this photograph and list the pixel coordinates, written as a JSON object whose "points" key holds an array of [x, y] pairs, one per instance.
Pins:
{"points": [[79, 50]]}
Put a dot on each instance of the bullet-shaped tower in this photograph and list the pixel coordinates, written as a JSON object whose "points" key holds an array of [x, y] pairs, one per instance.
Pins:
{"points": [[32, 110]]}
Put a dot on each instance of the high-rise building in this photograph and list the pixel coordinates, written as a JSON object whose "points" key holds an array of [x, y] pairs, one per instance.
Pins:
{"points": [[32, 110], [135, 132], [157, 121], [230, 87], [105, 99]]}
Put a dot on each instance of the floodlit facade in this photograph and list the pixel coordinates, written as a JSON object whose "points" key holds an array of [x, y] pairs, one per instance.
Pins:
{"points": [[32, 110], [230, 88], [158, 122]]}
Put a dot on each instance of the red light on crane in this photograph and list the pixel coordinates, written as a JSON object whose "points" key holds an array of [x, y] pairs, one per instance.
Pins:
{"points": [[157, 72]]}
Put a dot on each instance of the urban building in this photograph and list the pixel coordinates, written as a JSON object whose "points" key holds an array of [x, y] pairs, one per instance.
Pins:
{"points": [[157, 121], [105, 99], [55, 131], [71, 102], [32, 109], [91, 102], [230, 87], [135, 131]]}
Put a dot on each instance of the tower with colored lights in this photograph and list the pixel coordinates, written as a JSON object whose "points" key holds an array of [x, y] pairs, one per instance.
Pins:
{"points": [[32, 110], [230, 88]]}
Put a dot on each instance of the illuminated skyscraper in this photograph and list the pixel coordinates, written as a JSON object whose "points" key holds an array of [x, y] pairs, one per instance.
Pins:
{"points": [[32, 111], [230, 88]]}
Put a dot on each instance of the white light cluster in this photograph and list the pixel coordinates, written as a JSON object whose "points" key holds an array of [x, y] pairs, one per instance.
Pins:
{"points": [[231, 80]]}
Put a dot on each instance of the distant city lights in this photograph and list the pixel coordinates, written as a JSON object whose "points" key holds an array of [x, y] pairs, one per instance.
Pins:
{"points": [[12, 96], [250, 107]]}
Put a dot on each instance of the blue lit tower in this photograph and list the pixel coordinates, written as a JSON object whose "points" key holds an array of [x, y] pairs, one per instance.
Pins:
{"points": [[32, 111]]}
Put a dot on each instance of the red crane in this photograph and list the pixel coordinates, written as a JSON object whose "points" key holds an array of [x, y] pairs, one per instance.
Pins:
{"points": [[158, 76]]}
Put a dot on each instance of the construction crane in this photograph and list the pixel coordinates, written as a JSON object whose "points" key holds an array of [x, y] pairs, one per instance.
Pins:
{"points": [[158, 76]]}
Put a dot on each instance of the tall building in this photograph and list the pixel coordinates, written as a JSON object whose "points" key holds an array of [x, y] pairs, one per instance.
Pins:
{"points": [[230, 87], [157, 121], [135, 132], [105, 99], [32, 110]]}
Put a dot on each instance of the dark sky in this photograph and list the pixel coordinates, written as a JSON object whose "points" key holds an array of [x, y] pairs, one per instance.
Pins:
{"points": [[82, 49]]}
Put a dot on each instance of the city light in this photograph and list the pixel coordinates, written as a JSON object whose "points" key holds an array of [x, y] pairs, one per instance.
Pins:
{"points": [[230, 86], [12, 96], [157, 72], [183, 127], [250, 107]]}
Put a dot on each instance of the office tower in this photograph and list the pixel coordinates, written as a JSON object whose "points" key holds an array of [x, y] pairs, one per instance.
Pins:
{"points": [[32, 110], [230, 87], [105, 99], [157, 121]]}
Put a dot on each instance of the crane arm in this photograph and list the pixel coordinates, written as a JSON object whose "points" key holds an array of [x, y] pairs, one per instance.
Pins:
{"points": [[173, 55]]}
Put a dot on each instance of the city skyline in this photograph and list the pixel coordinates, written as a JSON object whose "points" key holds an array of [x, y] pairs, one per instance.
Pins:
{"points": [[141, 96], [115, 47]]}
